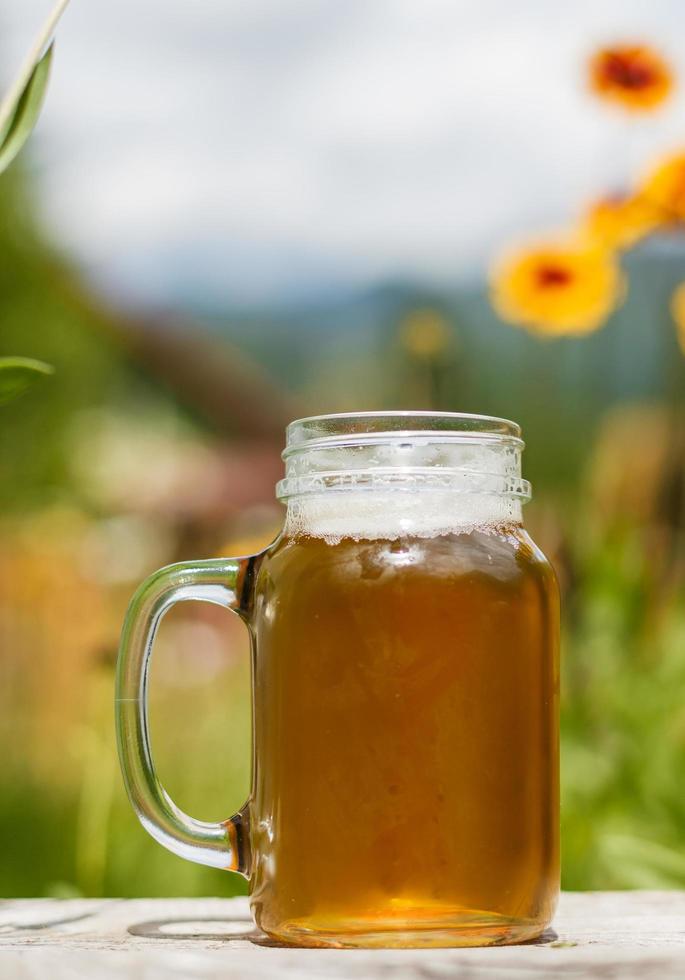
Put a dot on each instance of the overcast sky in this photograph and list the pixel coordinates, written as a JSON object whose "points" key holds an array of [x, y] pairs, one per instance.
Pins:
{"points": [[254, 149]]}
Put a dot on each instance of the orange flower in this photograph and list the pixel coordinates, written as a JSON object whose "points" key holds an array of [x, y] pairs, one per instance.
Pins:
{"points": [[632, 75], [678, 314], [557, 289], [621, 220], [664, 188]]}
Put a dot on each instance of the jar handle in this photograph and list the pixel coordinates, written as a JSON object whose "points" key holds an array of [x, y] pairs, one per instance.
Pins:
{"points": [[224, 582]]}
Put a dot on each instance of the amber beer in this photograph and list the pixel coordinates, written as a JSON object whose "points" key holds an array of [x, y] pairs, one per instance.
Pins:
{"points": [[405, 688], [406, 738]]}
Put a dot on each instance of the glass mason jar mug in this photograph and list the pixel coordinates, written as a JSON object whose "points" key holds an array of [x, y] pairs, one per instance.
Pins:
{"points": [[404, 633]]}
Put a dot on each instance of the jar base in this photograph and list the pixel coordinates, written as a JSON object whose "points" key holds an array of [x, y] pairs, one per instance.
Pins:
{"points": [[461, 929]]}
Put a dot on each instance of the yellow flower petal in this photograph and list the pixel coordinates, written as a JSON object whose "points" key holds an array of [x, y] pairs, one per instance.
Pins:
{"points": [[557, 289], [620, 221], [425, 333], [664, 187], [678, 314]]}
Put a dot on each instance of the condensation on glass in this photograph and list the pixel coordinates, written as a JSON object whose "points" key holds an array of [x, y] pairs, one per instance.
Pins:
{"points": [[405, 692]]}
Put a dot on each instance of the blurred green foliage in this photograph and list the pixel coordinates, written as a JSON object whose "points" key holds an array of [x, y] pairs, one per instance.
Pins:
{"points": [[87, 460], [624, 722], [45, 314]]}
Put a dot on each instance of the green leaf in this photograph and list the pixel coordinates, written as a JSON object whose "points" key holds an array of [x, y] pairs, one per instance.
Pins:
{"points": [[21, 107], [26, 112], [19, 373]]}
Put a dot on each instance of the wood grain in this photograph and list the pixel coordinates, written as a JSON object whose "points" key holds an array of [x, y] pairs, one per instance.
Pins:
{"points": [[604, 935]]}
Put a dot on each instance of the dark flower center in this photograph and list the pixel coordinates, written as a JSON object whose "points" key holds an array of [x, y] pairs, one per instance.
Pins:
{"points": [[553, 275], [628, 72]]}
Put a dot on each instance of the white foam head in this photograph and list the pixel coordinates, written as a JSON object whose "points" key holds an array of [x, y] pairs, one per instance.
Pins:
{"points": [[391, 475], [374, 515]]}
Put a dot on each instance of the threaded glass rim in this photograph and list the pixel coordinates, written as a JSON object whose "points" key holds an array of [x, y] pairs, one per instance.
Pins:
{"points": [[403, 451]]}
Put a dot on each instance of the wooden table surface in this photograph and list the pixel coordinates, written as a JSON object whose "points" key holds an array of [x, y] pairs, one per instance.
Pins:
{"points": [[595, 934]]}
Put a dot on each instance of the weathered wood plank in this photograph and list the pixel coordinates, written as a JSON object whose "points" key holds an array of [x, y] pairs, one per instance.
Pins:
{"points": [[595, 935]]}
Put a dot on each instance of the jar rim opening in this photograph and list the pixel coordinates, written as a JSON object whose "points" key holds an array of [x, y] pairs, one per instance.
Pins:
{"points": [[339, 428]]}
